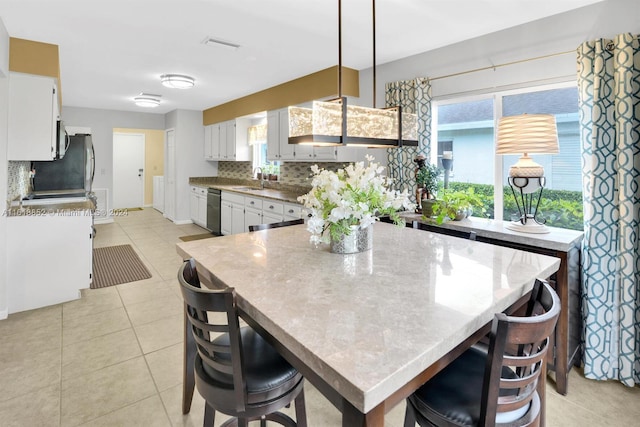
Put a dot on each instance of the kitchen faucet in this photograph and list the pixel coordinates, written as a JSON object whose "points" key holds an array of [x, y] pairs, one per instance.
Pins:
{"points": [[255, 175]]}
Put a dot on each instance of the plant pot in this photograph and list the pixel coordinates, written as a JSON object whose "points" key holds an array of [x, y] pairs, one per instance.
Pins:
{"points": [[427, 207], [359, 240], [273, 177]]}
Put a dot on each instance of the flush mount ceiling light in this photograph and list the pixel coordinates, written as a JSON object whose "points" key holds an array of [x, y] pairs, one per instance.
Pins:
{"points": [[177, 81], [147, 100], [336, 123]]}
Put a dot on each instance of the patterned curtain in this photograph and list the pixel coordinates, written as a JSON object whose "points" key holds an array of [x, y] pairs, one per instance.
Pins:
{"points": [[609, 90], [414, 96]]}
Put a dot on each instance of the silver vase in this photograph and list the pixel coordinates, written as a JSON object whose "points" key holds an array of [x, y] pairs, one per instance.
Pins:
{"points": [[359, 240]]}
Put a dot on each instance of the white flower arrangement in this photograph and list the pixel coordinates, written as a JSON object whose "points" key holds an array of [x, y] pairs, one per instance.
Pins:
{"points": [[353, 196]]}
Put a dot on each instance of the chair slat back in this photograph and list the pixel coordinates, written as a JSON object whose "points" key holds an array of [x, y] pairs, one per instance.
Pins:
{"points": [[517, 351], [211, 313]]}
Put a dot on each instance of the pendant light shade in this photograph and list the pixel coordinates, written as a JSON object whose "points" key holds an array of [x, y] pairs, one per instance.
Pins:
{"points": [[177, 81], [373, 127]]}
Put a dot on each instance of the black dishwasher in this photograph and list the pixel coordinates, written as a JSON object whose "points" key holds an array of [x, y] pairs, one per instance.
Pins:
{"points": [[213, 211]]}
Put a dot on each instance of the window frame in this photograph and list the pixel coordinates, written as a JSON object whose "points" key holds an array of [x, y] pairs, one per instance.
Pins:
{"points": [[496, 96]]}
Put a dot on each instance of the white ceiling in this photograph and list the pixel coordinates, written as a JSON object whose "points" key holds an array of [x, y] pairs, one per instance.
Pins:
{"points": [[111, 50]]}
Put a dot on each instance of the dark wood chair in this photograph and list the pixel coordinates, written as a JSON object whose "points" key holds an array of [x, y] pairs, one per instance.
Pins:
{"points": [[234, 369], [259, 227], [494, 386]]}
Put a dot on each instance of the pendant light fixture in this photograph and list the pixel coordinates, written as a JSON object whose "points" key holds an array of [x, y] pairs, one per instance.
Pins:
{"points": [[336, 123]]}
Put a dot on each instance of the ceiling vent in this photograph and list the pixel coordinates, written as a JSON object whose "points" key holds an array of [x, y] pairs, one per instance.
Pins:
{"points": [[210, 41]]}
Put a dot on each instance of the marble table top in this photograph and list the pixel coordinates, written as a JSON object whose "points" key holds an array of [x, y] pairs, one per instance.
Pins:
{"points": [[368, 323]]}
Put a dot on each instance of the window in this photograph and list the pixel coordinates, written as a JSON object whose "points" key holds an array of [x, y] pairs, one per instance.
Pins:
{"points": [[466, 127]]}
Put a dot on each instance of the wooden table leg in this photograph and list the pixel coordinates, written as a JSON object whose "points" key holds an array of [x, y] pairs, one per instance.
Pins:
{"points": [[352, 417], [562, 328]]}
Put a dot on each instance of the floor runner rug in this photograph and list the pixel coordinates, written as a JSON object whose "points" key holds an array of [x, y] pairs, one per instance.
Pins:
{"points": [[114, 265]]}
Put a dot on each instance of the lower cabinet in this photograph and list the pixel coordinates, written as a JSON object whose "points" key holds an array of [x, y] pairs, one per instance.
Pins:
{"points": [[198, 205], [232, 213], [49, 258], [239, 212]]}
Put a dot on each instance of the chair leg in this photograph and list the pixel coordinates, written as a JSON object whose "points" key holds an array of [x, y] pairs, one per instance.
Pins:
{"points": [[301, 410], [209, 415], [409, 416], [188, 376]]}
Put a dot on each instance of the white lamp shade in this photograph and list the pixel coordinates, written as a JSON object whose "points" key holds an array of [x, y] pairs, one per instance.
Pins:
{"points": [[527, 133], [177, 81]]}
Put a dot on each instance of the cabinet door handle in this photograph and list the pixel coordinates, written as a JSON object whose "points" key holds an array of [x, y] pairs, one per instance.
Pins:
{"points": [[271, 207], [290, 211]]}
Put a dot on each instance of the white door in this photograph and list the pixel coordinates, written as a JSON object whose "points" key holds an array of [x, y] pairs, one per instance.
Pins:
{"points": [[128, 170], [170, 175]]}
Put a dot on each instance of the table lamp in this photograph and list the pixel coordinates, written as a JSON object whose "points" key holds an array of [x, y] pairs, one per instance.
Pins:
{"points": [[525, 134]]}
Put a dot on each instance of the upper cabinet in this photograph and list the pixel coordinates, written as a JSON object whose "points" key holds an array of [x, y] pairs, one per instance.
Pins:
{"points": [[227, 141], [33, 117], [34, 100], [278, 147]]}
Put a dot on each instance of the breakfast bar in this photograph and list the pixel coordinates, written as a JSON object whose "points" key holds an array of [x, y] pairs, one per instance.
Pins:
{"points": [[367, 329]]}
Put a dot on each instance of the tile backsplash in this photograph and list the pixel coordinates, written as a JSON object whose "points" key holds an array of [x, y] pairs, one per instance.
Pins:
{"points": [[18, 184], [293, 173]]}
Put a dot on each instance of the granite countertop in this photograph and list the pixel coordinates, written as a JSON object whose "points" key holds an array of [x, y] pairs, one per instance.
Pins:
{"points": [[251, 187], [352, 318], [51, 207]]}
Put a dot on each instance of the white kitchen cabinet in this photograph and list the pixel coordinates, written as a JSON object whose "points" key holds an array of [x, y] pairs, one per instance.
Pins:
{"points": [[232, 213], [208, 148], [33, 117], [227, 141], [291, 211], [272, 211], [198, 205], [252, 212], [255, 210], [50, 259], [278, 147]]}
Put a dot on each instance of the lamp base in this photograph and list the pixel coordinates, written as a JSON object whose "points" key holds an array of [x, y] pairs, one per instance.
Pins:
{"points": [[530, 226]]}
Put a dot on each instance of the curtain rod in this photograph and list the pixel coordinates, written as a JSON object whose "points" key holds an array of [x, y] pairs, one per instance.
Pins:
{"points": [[493, 67]]}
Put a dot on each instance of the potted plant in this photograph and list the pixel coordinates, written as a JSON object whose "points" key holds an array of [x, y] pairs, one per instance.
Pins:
{"points": [[348, 201], [426, 185], [457, 205]]}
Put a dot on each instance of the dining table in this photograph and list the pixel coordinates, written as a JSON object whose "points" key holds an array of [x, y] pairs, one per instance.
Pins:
{"points": [[367, 329]]}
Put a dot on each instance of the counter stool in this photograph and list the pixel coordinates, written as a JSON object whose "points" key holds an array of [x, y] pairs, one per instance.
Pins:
{"points": [[236, 371]]}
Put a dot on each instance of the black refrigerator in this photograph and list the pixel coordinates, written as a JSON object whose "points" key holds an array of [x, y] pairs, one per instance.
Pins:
{"points": [[73, 173]]}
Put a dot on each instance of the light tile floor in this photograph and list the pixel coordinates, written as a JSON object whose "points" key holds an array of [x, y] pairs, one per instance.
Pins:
{"points": [[114, 357]]}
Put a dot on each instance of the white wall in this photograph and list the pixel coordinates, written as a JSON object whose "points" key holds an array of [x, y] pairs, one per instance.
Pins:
{"points": [[549, 36], [102, 123], [189, 137], [4, 95]]}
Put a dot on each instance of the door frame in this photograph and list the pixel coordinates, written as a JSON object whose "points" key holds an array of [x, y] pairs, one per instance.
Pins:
{"points": [[142, 182]]}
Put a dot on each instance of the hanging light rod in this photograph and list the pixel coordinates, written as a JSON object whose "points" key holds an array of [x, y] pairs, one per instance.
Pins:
{"points": [[335, 123]]}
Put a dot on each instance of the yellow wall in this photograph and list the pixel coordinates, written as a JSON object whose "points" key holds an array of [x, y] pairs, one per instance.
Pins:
{"points": [[153, 157], [320, 85]]}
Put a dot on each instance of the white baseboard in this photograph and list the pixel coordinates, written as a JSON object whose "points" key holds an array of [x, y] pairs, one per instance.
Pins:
{"points": [[4, 314], [183, 222]]}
